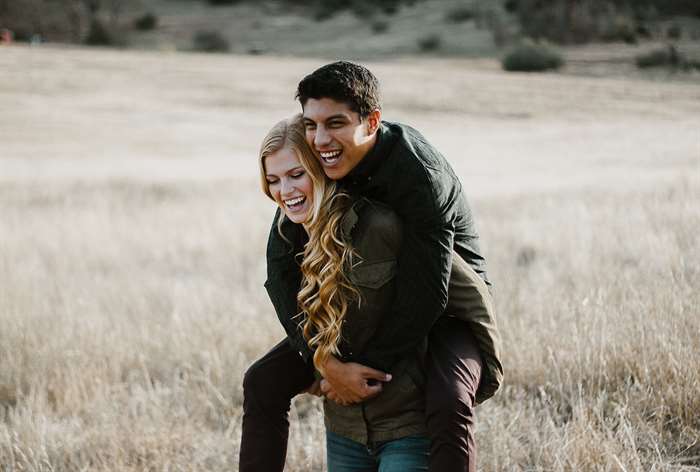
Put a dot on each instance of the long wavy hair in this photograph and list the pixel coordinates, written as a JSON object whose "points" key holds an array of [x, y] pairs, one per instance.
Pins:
{"points": [[326, 291]]}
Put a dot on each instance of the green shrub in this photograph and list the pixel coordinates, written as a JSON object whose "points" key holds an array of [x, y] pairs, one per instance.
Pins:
{"points": [[643, 31], [432, 42], [460, 14], [379, 26], [364, 9], [511, 6], [674, 31], [325, 9], [210, 41], [668, 57], [323, 12], [530, 57], [390, 8], [368, 8], [692, 64], [146, 22], [620, 28], [662, 57], [99, 35]]}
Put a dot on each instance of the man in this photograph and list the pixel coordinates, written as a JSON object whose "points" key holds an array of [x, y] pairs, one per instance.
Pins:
{"points": [[394, 164]]}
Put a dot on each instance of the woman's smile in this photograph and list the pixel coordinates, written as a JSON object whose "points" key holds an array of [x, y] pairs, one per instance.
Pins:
{"points": [[296, 204]]}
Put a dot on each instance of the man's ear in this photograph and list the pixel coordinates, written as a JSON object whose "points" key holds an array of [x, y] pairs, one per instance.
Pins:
{"points": [[373, 121]]}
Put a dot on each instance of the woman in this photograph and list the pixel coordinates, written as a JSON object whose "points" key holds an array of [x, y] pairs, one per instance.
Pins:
{"points": [[347, 270]]}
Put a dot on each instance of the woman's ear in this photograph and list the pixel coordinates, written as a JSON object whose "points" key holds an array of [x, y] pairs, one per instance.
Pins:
{"points": [[373, 121]]}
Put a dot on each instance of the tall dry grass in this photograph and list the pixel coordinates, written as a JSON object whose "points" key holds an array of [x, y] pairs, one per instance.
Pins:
{"points": [[130, 305], [130, 311]]}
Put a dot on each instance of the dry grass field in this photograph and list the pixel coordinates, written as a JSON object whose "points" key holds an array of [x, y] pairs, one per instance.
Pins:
{"points": [[132, 237]]}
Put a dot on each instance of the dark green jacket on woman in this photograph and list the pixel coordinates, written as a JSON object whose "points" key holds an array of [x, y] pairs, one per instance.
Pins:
{"points": [[376, 233]]}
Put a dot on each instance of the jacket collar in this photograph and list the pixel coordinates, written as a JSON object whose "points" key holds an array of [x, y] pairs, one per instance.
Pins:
{"points": [[369, 164]]}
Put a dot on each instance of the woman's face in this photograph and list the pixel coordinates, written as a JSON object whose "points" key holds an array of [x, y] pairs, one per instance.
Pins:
{"points": [[289, 183]]}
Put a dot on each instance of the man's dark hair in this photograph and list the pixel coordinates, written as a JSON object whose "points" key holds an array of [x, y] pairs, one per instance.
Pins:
{"points": [[343, 82]]}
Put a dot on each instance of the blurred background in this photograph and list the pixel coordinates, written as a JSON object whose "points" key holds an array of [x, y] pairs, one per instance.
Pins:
{"points": [[364, 29], [133, 228]]}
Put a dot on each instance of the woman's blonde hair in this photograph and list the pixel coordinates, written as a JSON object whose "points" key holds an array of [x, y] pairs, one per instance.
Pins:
{"points": [[326, 291]]}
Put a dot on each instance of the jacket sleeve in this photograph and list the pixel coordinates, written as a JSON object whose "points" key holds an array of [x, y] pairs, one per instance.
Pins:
{"points": [[470, 301], [426, 206], [283, 282]]}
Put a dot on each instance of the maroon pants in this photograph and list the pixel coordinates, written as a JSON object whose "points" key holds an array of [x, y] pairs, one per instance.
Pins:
{"points": [[453, 372]]}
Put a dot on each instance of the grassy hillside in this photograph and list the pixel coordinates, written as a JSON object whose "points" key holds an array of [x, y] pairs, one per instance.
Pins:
{"points": [[477, 30], [271, 27]]}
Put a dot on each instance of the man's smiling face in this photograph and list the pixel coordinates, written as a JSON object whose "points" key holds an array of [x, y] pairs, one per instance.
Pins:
{"points": [[339, 137]]}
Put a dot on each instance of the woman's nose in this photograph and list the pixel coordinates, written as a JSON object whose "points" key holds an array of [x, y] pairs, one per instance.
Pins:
{"points": [[287, 187]]}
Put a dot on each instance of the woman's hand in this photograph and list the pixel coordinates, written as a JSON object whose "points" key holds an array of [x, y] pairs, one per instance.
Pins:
{"points": [[349, 383], [329, 392]]}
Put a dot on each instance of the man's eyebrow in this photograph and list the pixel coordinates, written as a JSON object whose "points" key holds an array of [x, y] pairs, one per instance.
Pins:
{"points": [[338, 116]]}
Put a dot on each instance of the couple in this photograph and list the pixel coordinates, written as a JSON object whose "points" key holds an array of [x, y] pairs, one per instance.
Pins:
{"points": [[376, 275]]}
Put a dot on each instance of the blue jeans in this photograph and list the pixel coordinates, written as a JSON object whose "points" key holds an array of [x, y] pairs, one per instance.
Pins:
{"points": [[409, 454]]}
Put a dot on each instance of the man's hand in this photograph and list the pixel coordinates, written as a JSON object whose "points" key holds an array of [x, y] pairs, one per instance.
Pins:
{"points": [[348, 383]]}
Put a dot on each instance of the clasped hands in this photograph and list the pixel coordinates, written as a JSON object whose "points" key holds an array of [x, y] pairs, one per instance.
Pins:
{"points": [[347, 383]]}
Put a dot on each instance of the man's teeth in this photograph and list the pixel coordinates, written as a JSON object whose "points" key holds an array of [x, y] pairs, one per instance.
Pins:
{"points": [[330, 155], [294, 201]]}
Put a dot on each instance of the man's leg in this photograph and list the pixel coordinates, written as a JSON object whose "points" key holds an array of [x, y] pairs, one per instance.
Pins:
{"points": [[453, 368], [268, 388]]}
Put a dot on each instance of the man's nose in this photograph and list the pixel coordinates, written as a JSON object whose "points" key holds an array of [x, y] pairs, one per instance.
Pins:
{"points": [[321, 138]]}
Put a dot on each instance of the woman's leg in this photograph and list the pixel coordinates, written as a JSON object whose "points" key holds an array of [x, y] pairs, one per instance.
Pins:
{"points": [[409, 454], [346, 455], [453, 372], [268, 388]]}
